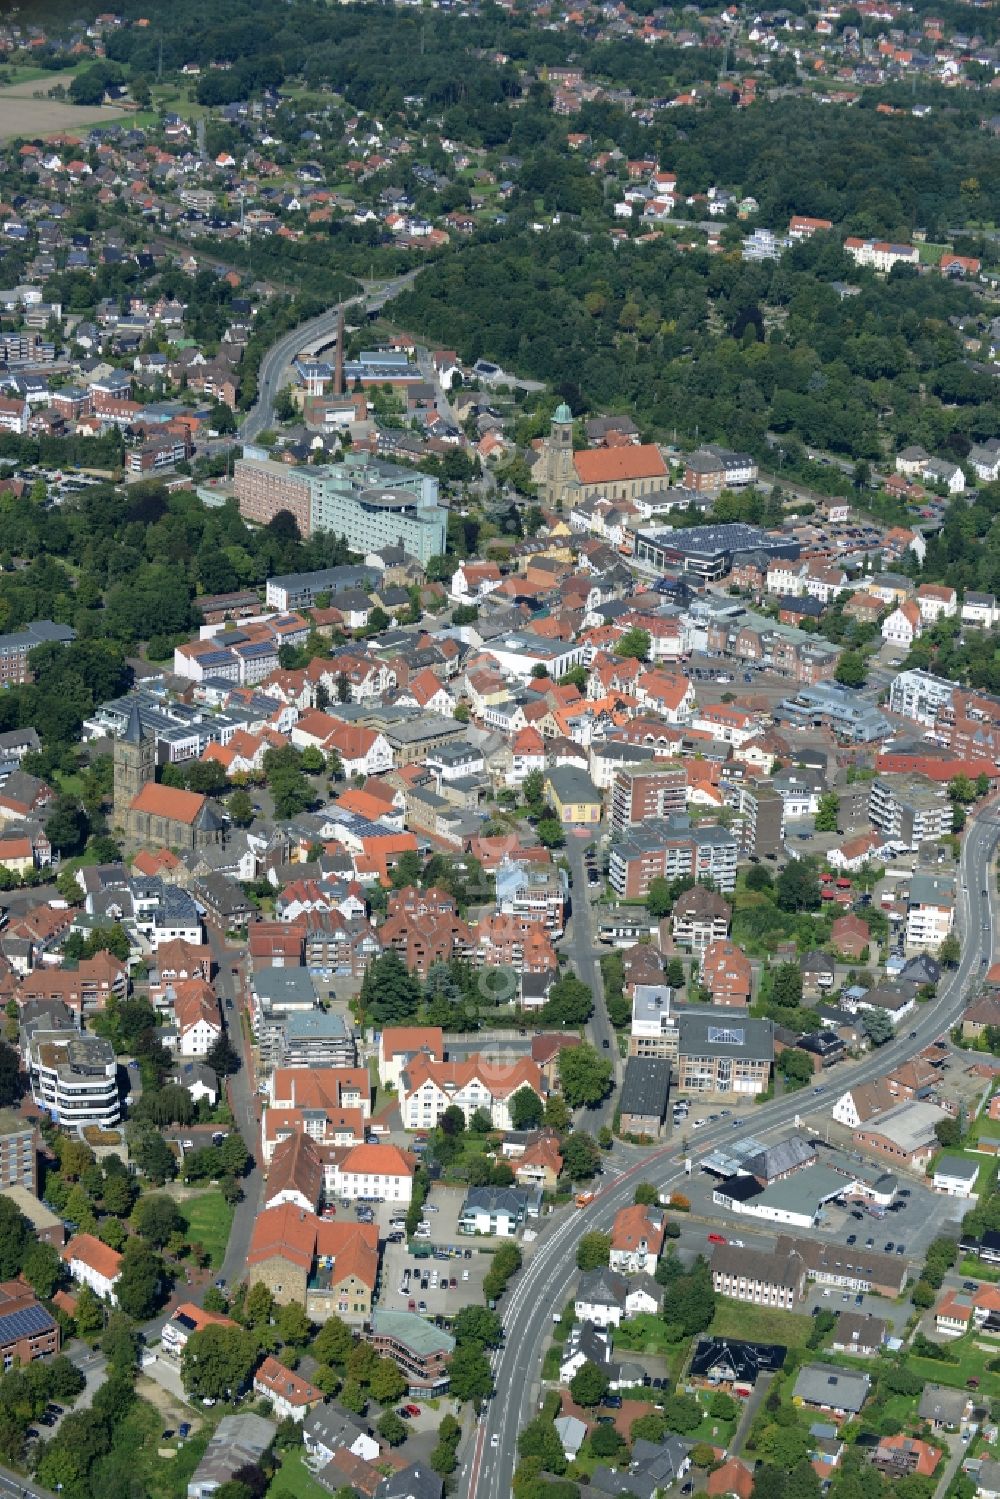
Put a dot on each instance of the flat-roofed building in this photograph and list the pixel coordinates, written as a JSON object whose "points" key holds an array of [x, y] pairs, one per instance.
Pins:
{"points": [[418, 1349]]}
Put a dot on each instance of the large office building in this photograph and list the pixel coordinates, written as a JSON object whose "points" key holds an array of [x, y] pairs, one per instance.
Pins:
{"points": [[369, 503], [825, 705], [73, 1077], [720, 1056]]}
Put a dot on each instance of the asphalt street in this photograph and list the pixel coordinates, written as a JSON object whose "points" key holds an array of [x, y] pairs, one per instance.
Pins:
{"points": [[270, 377], [580, 947], [544, 1284]]}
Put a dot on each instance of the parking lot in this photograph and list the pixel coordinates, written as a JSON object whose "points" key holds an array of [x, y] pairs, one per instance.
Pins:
{"points": [[429, 1286]]}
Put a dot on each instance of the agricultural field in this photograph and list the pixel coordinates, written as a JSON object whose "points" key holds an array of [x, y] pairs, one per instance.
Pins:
{"points": [[22, 114]]}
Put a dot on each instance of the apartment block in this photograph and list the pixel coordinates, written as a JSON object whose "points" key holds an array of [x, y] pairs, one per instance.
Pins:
{"points": [[910, 809], [761, 824], [930, 912], [18, 1152], [758, 1277], [669, 849], [654, 1029], [643, 792]]}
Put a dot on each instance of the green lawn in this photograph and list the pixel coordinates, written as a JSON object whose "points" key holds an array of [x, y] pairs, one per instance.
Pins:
{"points": [[294, 1478], [643, 1334], [971, 1363], [209, 1220], [760, 1324]]}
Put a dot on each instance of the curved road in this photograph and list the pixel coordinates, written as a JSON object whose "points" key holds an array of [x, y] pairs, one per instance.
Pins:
{"points": [[280, 355], [543, 1287]]}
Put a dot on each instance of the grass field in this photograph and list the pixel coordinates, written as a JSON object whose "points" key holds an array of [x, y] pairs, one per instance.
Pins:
{"points": [[209, 1221], [760, 1324], [971, 1364], [294, 1478]]}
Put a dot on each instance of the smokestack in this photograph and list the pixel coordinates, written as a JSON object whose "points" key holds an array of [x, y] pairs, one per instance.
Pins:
{"points": [[338, 372]]}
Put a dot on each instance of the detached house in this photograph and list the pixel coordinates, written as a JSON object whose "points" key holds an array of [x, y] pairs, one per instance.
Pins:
{"points": [[637, 1240], [903, 626]]}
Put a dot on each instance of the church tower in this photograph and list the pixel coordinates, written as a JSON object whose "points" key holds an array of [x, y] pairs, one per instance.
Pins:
{"points": [[135, 764], [559, 474]]}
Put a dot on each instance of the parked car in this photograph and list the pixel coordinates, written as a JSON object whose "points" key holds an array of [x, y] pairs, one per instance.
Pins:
{"points": [[716, 1239]]}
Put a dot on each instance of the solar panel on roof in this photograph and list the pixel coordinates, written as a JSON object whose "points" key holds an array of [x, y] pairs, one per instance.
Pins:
{"points": [[26, 1323]]}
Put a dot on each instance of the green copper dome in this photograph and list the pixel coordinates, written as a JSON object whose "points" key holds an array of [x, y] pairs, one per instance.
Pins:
{"points": [[563, 413]]}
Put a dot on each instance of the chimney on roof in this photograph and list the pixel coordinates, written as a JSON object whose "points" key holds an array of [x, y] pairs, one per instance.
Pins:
{"points": [[338, 369]]}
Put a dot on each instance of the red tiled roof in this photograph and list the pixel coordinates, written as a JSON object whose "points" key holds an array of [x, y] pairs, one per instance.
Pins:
{"points": [[608, 465], [169, 802]]}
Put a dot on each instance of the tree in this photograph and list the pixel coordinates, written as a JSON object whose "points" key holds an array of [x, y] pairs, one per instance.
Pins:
{"points": [[15, 1236], [950, 951], [526, 1109], [581, 1156], [42, 1268], [156, 1217], [387, 1383], [759, 878], [826, 816], [593, 1251], [795, 1066], [646, 1195], [569, 1003], [605, 1441], [66, 825], [389, 993], [392, 1428], [154, 1158], [240, 808], [798, 886], [140, 1282], [452, 1122], [361, 1362], [722, 1407], [533, 789], [470, 1374], [89, 1314], [11, 1080], [294, 1327], [353, 1397], [550, 832], [690, 1299], [222, 1057], [877, 1026], [333, 1343], [658, 898], [649, 1428], [786, 985], [635, 644], [541, 1440], [217, 1362], [477, 1324], [949, 1133], [584, 1075], [850, 669], [589, 1385], [683, 1413]]}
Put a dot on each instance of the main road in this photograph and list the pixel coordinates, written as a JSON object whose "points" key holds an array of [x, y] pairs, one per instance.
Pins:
{"points": [[543, 1287], [280, 355]]}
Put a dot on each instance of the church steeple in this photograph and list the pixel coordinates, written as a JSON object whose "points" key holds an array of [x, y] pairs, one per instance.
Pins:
{"points": [[135, 764]]}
